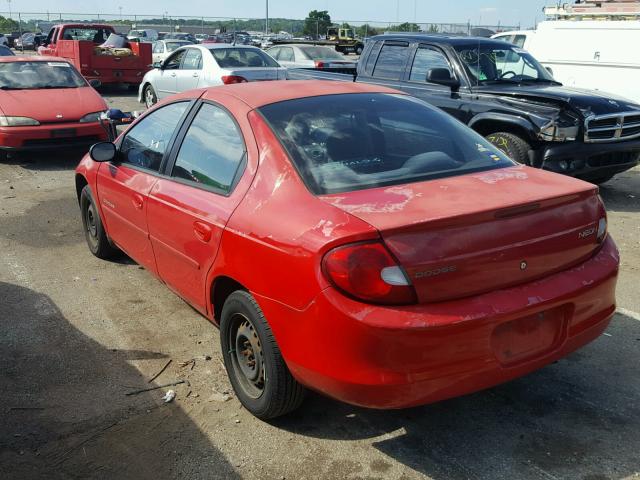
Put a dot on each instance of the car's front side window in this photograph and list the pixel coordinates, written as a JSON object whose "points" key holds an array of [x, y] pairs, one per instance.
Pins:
{"points": [[391, 61], [428, 58], [212, 150], [173, 63], [146, 143], [192, 60]]}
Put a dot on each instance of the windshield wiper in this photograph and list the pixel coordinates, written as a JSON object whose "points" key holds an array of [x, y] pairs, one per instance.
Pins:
{"points": [[540, 80]]}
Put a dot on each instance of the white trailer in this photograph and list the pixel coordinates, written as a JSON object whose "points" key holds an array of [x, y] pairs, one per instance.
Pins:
{"points": [[591, 54]]}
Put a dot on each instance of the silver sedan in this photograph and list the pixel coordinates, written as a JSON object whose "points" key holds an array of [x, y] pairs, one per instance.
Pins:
{"points": [[208, 65], [309, 56]]}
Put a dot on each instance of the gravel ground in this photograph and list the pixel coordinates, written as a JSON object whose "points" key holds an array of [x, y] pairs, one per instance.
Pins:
{"points": [[79, 333]]}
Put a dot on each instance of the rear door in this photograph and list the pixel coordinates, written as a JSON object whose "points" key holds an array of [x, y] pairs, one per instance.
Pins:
{"points": [[124, 185], [189, 208], [190, 70], [167, 81]]}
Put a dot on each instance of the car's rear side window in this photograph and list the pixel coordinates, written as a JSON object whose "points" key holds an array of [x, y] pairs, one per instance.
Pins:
{"points": [[212, 150], [392, 61], [340, 143]]}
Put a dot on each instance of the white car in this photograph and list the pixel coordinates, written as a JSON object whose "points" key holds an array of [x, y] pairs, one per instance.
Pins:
{"points": [[208, 65], [144, 35], [163, 48], [309, 56]]}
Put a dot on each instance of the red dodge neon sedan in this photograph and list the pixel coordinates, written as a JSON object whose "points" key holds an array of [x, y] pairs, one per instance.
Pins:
{"points": [[45, 103], [353, 240]]}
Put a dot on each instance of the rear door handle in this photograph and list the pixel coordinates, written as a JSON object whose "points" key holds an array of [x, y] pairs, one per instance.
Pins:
{"points": [[138, 201], [202, 231], [173, 75], [196, 75]]}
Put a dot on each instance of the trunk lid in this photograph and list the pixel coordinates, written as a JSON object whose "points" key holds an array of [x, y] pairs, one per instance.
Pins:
{"points": [[257, 74], [471, 234]]}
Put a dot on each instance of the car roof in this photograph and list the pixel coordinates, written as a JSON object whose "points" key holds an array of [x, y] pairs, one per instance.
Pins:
{"points": [[453, 40], [34, 58], [212, 46], [255, 95]]}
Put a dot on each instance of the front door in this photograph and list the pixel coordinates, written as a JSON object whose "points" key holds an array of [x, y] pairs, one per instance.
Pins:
{"points": [[428, 57], [189, 208], [166, 83], [124, 185]]}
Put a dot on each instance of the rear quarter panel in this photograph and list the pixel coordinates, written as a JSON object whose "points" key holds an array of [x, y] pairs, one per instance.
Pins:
{"points": [[276, 238]]}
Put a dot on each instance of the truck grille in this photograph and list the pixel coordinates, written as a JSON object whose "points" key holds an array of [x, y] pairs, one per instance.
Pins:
{"points": [[612, 128]]}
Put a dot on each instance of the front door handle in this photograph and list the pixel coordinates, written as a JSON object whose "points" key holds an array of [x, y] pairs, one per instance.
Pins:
{"points": [[203, 231], [138, 201], [173, 75], [196, 75]]}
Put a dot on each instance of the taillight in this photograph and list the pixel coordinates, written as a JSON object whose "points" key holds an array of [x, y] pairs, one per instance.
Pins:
{"points": [[602, 223], [319, 64], [231, 79], [368, 272]]}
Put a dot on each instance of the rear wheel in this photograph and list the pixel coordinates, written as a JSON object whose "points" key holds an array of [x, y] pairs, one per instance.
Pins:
{"points": [[255, 366], [512, 145], [150, 97], [94, 233], [359, 50]]}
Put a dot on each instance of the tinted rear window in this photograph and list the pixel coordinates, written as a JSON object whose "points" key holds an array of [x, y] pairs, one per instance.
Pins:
{"points": [[340, 143], [242, 57], [391, 61]]}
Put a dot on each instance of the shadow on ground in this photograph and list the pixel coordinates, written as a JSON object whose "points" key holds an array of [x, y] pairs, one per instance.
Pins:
{"points": [[576, 419], [64, 410], [622, 194], [47, 161]]}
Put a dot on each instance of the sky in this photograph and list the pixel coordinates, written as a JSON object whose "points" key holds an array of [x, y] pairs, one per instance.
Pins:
{"points": [[489, 12]]}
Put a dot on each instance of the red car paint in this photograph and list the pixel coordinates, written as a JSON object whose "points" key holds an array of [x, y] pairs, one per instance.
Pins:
{"points": [[57, 110], [108, 69], [506, 282]]}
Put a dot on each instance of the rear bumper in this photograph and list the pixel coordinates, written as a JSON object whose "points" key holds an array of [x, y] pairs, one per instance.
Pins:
{"points": [[384, 357], [110, 76], [589, 160], [51, 136]]}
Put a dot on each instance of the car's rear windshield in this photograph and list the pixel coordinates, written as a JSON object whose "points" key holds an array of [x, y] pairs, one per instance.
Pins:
{"points": [[341, 143], [37, 75], [321, 53], [171, 46], [242, 57]]}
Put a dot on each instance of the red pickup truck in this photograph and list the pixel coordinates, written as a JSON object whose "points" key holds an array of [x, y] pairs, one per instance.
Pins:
{"points": [[82, 45]]}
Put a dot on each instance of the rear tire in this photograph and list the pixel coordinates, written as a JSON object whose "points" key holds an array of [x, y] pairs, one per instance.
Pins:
{"points": [[149, 96], [512, 145], [94, 233], [255, 366], [359, 50]]}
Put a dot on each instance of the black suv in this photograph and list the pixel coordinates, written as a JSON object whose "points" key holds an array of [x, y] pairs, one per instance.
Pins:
{"points": [[503, 93]]}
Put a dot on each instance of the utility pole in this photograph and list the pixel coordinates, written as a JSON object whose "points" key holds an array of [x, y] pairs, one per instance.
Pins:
{"points": [[266, 20], [9, 2]]}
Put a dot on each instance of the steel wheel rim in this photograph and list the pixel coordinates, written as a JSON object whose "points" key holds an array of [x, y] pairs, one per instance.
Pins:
{"points": [[149, 97], [247, 356], [92, 224]]}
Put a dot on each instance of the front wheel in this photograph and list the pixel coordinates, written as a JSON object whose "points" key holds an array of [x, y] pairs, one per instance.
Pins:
{"points": [[150, 97], [255, 366], [359, 50], [94, 232], [512, 145]]}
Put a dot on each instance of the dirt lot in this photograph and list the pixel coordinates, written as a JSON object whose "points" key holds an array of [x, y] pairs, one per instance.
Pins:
{"points": [[78, 333]]}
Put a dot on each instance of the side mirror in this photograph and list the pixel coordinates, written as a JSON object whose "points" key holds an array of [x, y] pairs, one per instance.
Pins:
{"points": [[95, 83], [442, 76], [157, 65], [550, 70], [103, 152]]}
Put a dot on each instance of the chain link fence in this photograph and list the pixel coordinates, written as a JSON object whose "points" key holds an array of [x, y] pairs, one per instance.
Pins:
{"points": [[165, 22]]}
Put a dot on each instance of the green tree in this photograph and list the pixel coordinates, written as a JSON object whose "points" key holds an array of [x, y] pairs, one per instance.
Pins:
{"points": [[405, 27], [8, 25], [367, 30], [433, 28], [317, 23]]}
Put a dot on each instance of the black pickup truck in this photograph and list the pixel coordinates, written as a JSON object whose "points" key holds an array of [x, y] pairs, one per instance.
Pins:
{"points": [[504, 94]]}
